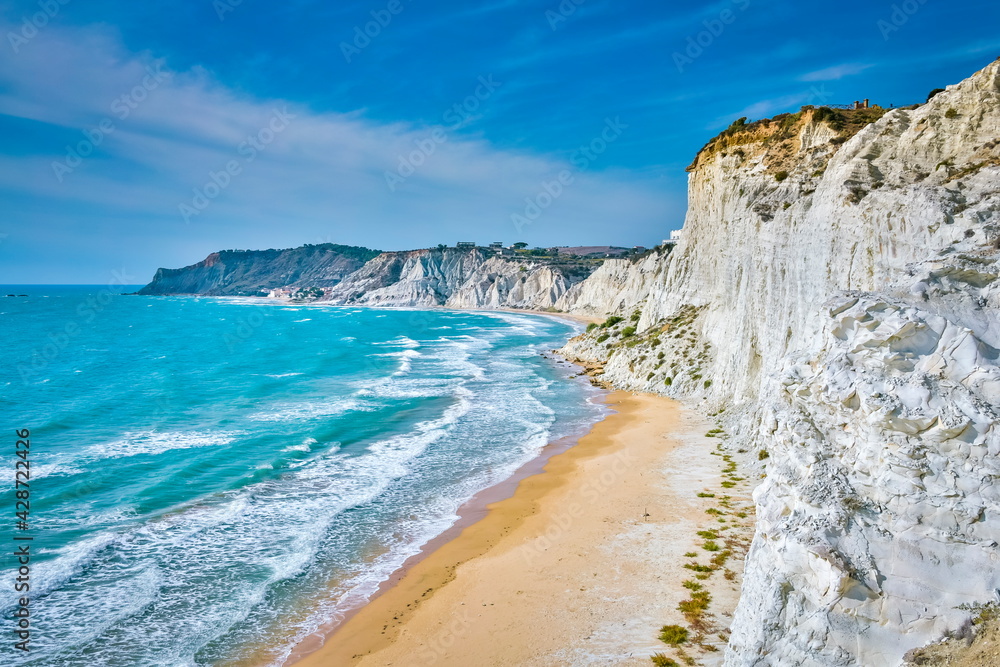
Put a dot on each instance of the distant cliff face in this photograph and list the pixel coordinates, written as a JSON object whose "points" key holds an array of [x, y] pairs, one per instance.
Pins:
{"points": [[253, 272], [835, 291], [461, 279], [448, 277]]}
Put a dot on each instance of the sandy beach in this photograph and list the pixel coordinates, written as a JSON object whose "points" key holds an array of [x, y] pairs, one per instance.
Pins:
{"points": [[582, 565]]}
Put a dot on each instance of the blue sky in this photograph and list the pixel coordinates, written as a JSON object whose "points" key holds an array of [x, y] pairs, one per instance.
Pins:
{"points": [[137, 136]]}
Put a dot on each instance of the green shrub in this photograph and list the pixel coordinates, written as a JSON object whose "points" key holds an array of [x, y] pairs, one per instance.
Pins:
{"points": [[602, 338], [695, 567], [719, 559], [706, 495], [708, 534], [694, 608], [673, 634], [710, 545], [636, 315], [650, 376], [762, 454], [611, 321], [591, 326], [668, 381], [951, 113], [780, 176], [933, 93], [628, 331], [728, 484], [708, 383]]}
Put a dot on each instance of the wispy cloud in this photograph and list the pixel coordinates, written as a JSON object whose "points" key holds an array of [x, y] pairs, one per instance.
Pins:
{"points": [[321, 176], [835, 73]]}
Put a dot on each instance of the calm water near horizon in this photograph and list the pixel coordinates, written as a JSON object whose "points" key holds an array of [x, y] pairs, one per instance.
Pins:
{"points": [[215, 478]]}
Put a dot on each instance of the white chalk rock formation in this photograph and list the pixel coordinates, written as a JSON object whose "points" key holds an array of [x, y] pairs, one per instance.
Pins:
{"points": [[458, 279], [840, 301]]}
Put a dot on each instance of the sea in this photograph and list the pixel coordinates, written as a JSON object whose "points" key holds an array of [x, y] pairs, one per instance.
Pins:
{"points": [[212, 480]]}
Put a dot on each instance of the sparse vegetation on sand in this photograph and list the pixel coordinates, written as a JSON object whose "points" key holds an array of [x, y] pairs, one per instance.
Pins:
{"points": [[721, 543]]}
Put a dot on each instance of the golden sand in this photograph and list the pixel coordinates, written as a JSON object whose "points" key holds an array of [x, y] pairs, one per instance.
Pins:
{"points": [[581, 565]]}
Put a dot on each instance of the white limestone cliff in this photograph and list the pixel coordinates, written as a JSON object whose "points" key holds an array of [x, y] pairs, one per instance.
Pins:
{"points": [[458, 279], [840, 302]]}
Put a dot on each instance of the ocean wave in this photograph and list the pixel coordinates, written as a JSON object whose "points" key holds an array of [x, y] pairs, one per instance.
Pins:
{"points": [[49, 575], [153, 443], [50, 469], [404, 341], [309, 410], [405, 357]]}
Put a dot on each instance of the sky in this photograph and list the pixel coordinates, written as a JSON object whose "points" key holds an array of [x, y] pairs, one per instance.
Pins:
{"points": [[145, 135]]}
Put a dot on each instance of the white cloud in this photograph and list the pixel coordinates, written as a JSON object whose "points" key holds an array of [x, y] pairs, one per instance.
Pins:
{"points": [[321, 176], [835, 73]]}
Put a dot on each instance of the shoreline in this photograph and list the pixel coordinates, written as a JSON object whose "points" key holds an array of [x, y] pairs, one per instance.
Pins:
{"points": [[471, 512], [528, 576], [573, 317]]}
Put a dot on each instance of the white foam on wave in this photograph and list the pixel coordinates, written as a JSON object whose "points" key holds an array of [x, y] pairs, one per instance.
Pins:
{"points": [[50, 469], [49, 575], [281, 375], [403, 341], [307, 319], [405, 357], [309, 410], [274, 527], [153, 443]]}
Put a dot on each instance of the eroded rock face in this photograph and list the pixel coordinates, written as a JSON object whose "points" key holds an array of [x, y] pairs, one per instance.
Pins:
{"points": [[845, 314], [457, 279]]}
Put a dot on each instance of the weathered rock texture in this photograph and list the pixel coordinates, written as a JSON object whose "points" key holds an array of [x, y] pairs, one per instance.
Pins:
{"points": [[840, 300], [449, 277], [460, 279], [253, 272]]}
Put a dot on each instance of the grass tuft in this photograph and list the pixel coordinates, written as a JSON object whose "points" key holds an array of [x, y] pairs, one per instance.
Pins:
{"points": [[673, 634]]}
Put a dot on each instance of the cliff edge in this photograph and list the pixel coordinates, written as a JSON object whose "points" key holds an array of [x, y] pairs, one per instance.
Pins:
{"points": [[835, 294]]}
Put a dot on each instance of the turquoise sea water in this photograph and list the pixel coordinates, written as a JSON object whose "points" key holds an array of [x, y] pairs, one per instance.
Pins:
{"points": [[213, 479]]}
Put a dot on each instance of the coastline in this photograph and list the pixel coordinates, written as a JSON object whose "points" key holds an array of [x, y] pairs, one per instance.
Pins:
{"points": [[581, 564]]}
